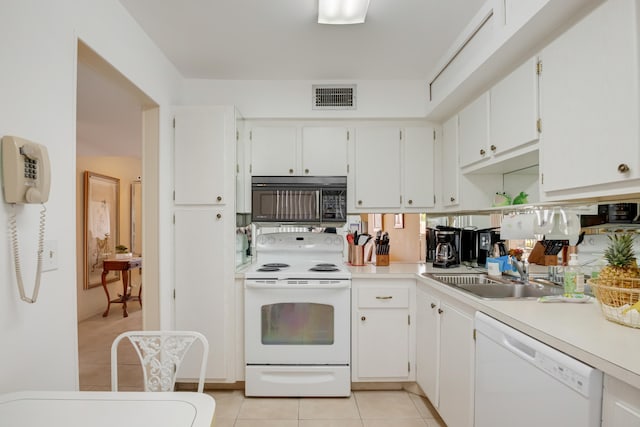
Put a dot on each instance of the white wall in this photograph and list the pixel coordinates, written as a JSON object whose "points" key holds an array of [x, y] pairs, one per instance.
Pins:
{"points": [[38, 83], [292, 99]]}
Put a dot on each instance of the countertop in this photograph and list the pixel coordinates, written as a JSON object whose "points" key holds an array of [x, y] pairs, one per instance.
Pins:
{"points": [[579, 330]]}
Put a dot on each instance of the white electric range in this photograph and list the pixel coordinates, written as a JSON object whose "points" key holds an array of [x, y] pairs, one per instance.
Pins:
{"points": [[297, 317]]}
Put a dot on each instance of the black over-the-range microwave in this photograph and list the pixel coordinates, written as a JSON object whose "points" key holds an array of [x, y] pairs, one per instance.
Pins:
{"points": [[299, 199]]}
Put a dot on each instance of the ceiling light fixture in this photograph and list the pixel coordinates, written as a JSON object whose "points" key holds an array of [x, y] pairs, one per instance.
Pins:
{"points": [[342, 11]]}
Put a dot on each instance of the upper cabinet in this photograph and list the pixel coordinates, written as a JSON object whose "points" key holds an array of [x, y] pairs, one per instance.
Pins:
{"points": [[377, 167], [473, 131], [204, 155], [513, 112], [291, 150], [450, 171], [417, 167], [589, 105], [393, 168], [273, 150], [324, 151]]}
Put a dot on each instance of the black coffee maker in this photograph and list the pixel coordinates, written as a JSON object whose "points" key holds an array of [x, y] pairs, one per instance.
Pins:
{"points": [[447, 248], [431, 245], [486, 240]]}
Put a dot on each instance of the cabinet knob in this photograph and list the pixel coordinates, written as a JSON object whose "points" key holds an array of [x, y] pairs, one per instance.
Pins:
{"points": [[219, 198], [218, 216], [623, 168], [363, 318], [453, 199], [482, 152], [306, 171], [290, 171], [359, 202], [433, 305], [410, 201], [493, 147], [440, 311]]}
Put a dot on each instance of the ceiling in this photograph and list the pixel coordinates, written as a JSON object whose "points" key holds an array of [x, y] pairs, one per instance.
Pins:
{"points": [[281, 39], [262, 40]]}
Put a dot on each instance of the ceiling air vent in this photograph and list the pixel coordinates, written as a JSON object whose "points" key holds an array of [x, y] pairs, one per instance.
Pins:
{"points": [[334, 97]]}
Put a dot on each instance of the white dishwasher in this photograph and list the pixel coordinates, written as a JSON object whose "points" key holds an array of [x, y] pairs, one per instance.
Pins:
{"points": [[523, 382]]}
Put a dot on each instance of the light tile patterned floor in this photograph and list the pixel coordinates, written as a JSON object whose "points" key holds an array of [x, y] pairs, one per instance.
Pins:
{"points": [[233, 409]]}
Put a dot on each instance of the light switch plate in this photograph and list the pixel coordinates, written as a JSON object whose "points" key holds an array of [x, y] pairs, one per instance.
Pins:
{"points": [[50, 255]]}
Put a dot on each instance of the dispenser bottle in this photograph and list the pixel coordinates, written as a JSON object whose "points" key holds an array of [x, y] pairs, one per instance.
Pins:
{"points": [[573, 277]]}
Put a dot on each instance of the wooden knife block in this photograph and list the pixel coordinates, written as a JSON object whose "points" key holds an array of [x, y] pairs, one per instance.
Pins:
{"points": [[538, 257]]}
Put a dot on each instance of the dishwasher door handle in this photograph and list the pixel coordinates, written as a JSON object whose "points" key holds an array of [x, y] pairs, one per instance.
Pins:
{"points": [[519, 347]]}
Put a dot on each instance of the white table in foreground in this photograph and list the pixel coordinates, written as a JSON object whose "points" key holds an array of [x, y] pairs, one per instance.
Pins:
{"points": [[105, 409]]}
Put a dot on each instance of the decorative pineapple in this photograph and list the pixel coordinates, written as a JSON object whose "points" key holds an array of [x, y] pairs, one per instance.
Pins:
{"points": [[622, 262]]}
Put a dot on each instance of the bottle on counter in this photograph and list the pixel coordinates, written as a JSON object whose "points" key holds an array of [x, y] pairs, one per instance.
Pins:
{"points": [[573, 277]]}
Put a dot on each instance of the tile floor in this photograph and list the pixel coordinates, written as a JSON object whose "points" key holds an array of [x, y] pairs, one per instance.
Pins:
{"points": [[362, 409]]}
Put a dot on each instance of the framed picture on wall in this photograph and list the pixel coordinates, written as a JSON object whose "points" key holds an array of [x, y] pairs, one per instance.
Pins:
{"points": [[101, 226]]}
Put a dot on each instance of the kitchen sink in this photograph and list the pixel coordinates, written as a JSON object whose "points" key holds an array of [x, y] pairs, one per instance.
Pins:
{"points": [[485, 287]]}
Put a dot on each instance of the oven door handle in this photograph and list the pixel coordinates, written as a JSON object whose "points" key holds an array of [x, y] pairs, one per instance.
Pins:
{"points": [[297, 285]]}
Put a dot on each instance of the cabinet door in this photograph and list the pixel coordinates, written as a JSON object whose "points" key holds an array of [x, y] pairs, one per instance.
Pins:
{"points": [[273, 151], [514, 109], [200, 155], [589, 101], [377, 167], [201, 302], [456, 377], [324, 151], [383, 343], [418, 178], [450, 172], [473, 137], [427, 343], [620, 404]]}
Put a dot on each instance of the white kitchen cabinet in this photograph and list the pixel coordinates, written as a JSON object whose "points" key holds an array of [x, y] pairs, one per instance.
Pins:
{"points": [[274, 151], [383, 348], [473, 131], [456, 369], [417, 167], [427, 343], [298, 150], [446, 355], [450, 170], [514, 109], [589, 105], [204, 292], [324, 151], [204, 155], [377, 167], [620, 404]]}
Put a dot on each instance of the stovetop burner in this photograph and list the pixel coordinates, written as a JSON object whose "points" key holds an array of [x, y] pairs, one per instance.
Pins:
{"points": [[268, 269], [275, 265], [325, 267]]}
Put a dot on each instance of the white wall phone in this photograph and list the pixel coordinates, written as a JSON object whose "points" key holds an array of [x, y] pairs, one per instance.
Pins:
{"points": [[26, 178]]}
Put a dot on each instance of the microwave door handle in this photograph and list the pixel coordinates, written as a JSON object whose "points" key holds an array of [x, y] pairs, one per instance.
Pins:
{"points": [[319, 206]]}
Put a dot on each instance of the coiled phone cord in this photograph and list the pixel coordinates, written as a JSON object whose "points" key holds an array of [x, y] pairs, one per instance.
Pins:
{"points": [[13, 228]]}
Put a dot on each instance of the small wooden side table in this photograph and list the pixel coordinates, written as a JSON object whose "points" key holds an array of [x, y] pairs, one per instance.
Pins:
{"points": [[123, 265]]}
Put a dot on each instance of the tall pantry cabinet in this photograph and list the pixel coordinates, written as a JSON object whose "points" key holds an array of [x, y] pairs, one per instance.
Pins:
{"points": [[204, 233]]}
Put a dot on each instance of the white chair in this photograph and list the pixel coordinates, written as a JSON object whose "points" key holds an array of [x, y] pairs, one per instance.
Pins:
{"points": [[161, 353]]}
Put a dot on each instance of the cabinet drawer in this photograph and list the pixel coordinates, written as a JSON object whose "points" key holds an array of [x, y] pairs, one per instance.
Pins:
{"points": [[383, 297]]}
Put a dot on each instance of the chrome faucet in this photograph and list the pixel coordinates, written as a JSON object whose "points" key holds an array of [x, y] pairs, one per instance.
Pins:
{"points": [[522, 267]]}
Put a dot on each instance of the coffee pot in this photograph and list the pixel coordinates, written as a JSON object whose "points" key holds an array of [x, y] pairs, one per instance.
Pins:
{"points": [[447, 249]]}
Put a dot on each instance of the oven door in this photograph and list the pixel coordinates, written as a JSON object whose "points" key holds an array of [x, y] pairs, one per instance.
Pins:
{"points": [[297, 322]]}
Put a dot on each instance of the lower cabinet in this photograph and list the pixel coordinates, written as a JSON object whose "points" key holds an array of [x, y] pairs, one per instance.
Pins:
{"points": [[446, 355], [620, 404], [382, 331]]}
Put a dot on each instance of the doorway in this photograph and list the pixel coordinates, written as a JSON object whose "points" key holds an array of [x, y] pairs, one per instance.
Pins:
{"points": [[117, 135]]}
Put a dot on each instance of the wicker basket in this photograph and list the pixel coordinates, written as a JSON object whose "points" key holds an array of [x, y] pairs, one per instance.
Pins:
{"points": [[616, 301]]}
